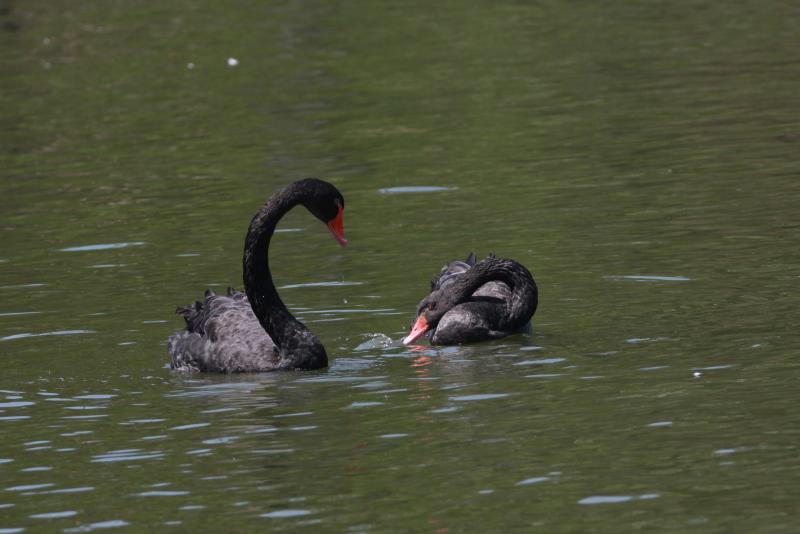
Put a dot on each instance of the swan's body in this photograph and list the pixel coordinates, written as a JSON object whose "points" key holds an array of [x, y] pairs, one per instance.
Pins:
{"points": [[254, 332], [223, 335], [476, 301]]}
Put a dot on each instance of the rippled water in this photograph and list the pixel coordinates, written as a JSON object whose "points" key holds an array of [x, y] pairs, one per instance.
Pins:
{"points": [[640, 159]]}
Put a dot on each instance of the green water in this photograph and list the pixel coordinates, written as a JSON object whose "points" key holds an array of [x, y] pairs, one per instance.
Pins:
{"points": [[640, 158]]}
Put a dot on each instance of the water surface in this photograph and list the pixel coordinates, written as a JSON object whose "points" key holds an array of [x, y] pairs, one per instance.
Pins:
{"points": [[640, 159]]}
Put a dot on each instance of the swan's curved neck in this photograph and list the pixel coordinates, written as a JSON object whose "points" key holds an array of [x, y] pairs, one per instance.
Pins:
{"points": [[524, 293], [293, 340]]}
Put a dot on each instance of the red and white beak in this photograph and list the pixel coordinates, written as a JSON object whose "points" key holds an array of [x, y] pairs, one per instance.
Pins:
{"points": [[419, 328], [336, 226]]}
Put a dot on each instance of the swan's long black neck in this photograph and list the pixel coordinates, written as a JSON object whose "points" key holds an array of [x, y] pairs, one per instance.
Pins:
{"points": [[524, 293], [297, 347]]}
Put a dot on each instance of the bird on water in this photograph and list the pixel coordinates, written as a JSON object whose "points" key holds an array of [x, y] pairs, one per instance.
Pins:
{"points": [[253, 331], [474, 301]]}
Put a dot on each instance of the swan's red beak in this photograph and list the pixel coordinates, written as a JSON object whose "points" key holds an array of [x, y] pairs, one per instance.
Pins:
{"points": [[336, 226], [419, 328]]}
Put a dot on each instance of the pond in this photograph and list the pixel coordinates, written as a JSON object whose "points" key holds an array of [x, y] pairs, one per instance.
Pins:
{"points": [[639, 158]]}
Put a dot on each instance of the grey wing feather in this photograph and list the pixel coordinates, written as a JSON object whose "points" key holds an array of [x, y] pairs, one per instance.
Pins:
{"points": [[452, 270], [222, 335]]}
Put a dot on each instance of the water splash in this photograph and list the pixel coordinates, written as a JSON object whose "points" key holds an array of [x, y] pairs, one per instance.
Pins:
{"points": [[374, 341]]}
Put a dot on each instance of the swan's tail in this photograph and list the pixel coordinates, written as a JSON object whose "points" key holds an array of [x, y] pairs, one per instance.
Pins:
{"points": [[183, 348]]}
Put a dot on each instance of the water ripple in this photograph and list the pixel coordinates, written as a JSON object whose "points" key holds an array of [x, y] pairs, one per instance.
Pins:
{"points": [[446, 409], [127, 455], [615, 499], [532, 480], [286, 513], [55, 515], [296, 414], [605, 499], [190, 426], [637, 340], [348, 310], [649, 278], [142, 421], [220, 441], [480, 397], [56, 333], [81, 489], [113, 523], [16, 404], [29, 487], [416, 189], [541, 361], [163, 493], [22, 286], [103, 246], [321, 284], [364, 404], [321, 379]]}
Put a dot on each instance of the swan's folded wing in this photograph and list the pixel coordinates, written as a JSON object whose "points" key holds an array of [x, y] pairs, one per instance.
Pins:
{"points": [[215, 314], [222, 335], [451, 270]]}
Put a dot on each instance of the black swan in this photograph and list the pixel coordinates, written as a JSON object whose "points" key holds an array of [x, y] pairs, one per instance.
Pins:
{"points": [[253, 331], [476, 301]]}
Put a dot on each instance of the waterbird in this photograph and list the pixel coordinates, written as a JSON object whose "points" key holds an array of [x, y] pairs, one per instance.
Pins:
{"points": [[254, 331], [474, 301]]}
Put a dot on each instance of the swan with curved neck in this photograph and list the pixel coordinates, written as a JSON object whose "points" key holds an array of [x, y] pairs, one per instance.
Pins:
{"points": [[476, 301], [254, 331]]}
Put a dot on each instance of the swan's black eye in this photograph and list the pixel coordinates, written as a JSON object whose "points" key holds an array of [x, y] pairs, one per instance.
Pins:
{"points": [[432, 306]]}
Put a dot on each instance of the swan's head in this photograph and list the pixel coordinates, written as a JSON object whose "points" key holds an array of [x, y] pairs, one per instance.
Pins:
{"points": [[429, 312], [326, 203]]}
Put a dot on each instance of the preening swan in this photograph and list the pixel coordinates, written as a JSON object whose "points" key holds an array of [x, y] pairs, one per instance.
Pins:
{"points": [[476, 301]]}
